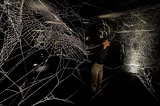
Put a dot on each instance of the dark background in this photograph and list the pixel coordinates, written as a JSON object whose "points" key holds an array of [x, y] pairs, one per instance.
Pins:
{"points": [[119, 87]]}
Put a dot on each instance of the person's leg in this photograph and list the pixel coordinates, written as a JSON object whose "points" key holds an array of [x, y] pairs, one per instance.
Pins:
{"points": [[100, 78], [94, 74]]}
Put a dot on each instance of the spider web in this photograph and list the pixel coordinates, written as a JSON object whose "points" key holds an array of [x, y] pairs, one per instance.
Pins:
{"points": [[27, 30], [32, 27], [140, 42]]}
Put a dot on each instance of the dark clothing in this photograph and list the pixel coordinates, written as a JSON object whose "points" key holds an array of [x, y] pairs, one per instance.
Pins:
{"points": [[100, 55]]}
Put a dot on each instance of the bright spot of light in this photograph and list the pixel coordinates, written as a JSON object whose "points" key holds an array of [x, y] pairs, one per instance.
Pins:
{"points": [[70, 29], [87, 38], [42, 68], [134, 68], [35, 64]]}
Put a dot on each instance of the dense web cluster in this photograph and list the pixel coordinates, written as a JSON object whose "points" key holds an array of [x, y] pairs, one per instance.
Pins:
{"points": [[27, 28], [140, 44]]}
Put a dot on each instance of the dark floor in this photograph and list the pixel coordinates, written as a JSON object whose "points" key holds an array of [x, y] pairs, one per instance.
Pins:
{"points": [[119, 88]]}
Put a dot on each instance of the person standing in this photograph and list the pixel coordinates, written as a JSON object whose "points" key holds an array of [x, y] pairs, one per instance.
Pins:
{"points": [[97, 68]]}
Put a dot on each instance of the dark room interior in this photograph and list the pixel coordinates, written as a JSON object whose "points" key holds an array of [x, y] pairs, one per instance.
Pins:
{"points": [[47, 50]]}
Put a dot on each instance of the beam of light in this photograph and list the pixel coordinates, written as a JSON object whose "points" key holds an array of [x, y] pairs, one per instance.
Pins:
{"points": [[111, 15], [52, 22], [129, 31]]}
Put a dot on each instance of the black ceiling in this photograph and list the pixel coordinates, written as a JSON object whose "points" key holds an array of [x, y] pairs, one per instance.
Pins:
{"points": [[92, 8]]}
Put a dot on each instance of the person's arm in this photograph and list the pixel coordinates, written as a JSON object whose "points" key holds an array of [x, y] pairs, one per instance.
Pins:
{"points": [[105, 44]]}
